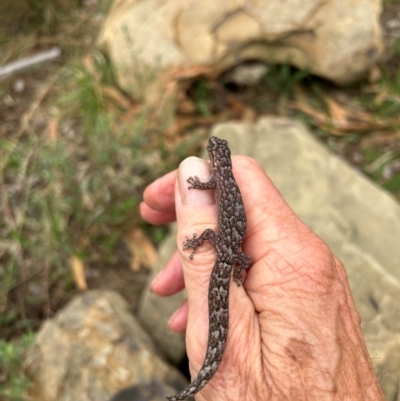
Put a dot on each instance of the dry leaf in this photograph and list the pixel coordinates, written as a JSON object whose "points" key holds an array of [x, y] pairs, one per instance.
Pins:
{"points": [[78, 272], [380, 139], [342, 120], [132, 113], [114, 94], [176, 126], [375, 74], [318, 116], [381, 96], [91, 68], [143, 251], [338, 114], [235, 104], [52, 130], [180, 73], [347, 120], [249, 115], [186, 106]]}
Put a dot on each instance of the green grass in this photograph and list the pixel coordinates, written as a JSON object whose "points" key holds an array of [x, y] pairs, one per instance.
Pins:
{"points": [[283, 77], [13, 381], [75, 189], [203, 97], [78, 193]]}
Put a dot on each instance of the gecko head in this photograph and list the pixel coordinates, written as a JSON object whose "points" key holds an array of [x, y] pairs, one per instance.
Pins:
{"points": [[219, 152]]}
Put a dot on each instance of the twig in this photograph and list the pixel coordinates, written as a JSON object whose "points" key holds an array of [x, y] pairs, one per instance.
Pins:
{"points": [[28, 62], [379, 162]]}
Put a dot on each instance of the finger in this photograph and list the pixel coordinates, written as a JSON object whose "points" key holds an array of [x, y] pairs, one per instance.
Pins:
{"points": [[170, 280], [178, 320], [154, 216], [341, 272], [160, 195], [353, 321], [196, 211]]}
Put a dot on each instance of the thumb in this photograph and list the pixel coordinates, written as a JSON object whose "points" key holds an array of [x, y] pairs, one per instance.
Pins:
{"points": [[196, 211]]}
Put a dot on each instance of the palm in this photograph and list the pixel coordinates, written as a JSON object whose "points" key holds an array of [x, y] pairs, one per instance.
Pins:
{"points": [[293, 328]]}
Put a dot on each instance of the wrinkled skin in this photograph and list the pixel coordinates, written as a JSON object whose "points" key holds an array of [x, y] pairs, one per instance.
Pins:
{"points": [[294, 332]]}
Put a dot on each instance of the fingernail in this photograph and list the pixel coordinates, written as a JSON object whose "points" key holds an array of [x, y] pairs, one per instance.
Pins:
{"points": [[191, 167]]}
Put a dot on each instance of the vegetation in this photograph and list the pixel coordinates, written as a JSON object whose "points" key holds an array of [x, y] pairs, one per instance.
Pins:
{"points": [[12, 379]]}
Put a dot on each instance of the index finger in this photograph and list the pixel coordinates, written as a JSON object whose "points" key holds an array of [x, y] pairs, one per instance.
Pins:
{"points": [[158, 206], [160, 195]]}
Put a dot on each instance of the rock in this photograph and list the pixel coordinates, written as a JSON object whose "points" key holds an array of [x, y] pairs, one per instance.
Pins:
{"points": [[155, 311], [338, 40], [246, 74], [92, 349], [152, 391], [358, 220]]}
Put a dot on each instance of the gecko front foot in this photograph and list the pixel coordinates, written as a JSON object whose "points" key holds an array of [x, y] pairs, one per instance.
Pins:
{"points": [[194, 182], [195, 241], [191, 243]]}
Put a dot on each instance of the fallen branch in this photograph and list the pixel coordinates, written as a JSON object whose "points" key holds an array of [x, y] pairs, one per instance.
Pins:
{"points": [[28, 62]]}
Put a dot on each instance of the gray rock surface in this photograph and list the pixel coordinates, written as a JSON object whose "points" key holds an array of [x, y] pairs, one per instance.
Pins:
{"points": [[155, 311], [151, 391], [338, 39], [92, 349]]}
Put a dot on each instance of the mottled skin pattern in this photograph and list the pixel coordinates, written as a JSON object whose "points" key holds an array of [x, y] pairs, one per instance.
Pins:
{"points": [[226, 242]]}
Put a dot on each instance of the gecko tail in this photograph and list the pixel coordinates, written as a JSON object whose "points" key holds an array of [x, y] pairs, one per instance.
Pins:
{"points": [[195, 386]]}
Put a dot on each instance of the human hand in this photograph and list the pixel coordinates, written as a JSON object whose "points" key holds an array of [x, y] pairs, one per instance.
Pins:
{"points": [[294, 332]]}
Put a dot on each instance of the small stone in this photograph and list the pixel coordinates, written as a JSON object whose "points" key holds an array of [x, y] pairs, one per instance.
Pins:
{"points": [[357, 157], [19, 85], [248, 74], [392, 24]]}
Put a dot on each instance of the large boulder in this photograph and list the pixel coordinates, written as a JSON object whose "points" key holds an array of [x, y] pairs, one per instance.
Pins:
{"points": [[339, 39]]}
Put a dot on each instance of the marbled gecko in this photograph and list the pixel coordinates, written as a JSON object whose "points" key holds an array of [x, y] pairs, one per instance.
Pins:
{"points": [[226, 242]]}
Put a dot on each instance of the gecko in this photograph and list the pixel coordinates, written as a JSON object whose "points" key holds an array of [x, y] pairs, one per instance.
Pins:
{"points": [[227, 245]]}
